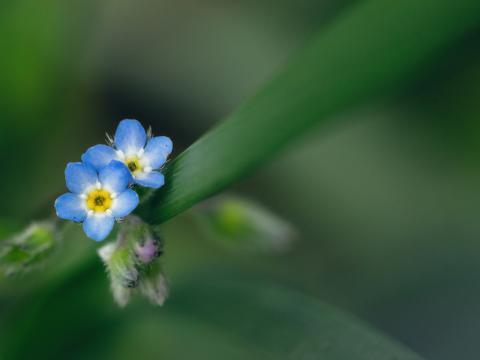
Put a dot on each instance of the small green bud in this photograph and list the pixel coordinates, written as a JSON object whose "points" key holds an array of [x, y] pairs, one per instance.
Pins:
{"points": [[243, 224], [153, 284], [26, 250], [121, 270], [120, 264], [121, 294]]}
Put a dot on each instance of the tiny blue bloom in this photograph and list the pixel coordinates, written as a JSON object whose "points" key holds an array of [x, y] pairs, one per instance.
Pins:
{"points": [[131, 146], [96, 198]]}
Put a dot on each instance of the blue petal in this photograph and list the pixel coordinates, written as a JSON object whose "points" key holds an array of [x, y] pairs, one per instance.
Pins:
{"points": [[153, 180], [115, 177], [80, 177], [125, 203], [157, 151], [99, 156], [130, 136], [97, 227], [70, 207]]}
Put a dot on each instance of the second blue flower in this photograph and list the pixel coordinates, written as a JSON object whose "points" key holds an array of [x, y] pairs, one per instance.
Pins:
{"points": [[141, 155]]}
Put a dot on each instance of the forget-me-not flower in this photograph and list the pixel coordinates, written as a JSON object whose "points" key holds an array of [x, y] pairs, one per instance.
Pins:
{"points": [[141, 155], [97, 198]]}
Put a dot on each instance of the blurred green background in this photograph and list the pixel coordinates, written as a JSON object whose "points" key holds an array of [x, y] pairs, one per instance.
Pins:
{"points": [[385, 202]]}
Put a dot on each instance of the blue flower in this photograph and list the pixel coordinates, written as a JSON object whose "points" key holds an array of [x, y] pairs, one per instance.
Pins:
{"points": [[141, 155], [96, 198]]}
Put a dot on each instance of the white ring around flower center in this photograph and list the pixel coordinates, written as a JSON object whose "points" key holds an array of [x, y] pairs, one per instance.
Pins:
{"points": [[121, 155]]}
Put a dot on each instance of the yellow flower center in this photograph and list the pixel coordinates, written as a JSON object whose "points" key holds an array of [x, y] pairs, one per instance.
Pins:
{"points": [[99, 200], [134, 165]]}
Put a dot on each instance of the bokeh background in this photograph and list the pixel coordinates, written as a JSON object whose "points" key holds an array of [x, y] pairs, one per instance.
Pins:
{"points": [[385, 202]]}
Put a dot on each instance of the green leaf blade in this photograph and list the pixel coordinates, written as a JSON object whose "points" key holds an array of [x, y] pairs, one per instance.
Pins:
{"points": [[280, 322], [368, 50]]}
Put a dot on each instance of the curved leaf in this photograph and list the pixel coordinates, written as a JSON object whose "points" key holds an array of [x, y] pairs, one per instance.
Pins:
{"points": [[368, 50], [282, 323], [212, 316]]}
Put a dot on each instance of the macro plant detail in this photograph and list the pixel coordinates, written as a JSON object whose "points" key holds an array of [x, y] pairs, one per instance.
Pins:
{"points": [[101, 193], [96, 199], [132, 265], [28, 249], [141, 153], [345, 191], [99, 185]]}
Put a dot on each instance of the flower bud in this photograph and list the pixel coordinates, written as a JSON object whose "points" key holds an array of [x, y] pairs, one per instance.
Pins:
{"points": [[145, 242], [121, 294], [243, 224], [133, 265], [26, 250], [120, 265], [148, 248], [153, 284]]}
